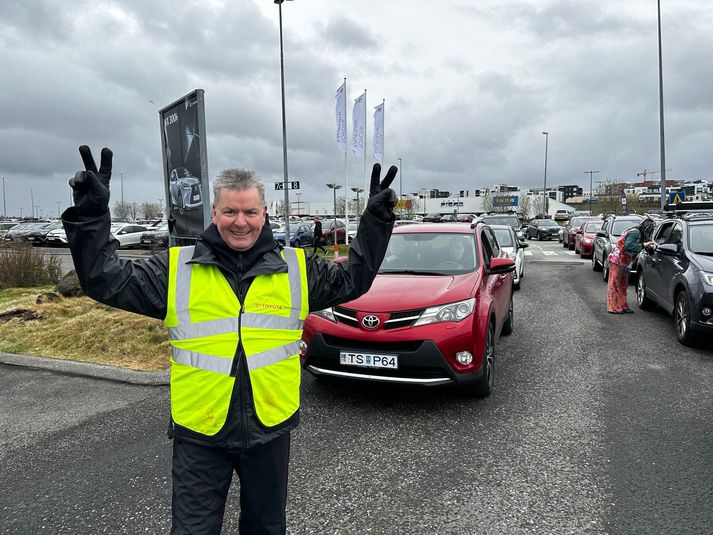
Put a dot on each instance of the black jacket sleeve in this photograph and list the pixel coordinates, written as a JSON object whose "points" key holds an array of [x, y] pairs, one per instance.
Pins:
{"points": [[334, 283], [136, 285]]}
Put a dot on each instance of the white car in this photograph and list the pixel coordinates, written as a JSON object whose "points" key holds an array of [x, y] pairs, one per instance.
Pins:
{"points": [[56, 238], [514, 248], [128, 234]]}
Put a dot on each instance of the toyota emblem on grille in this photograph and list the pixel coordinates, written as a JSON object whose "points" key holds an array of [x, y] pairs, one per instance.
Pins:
{"points": [[370, 321]]}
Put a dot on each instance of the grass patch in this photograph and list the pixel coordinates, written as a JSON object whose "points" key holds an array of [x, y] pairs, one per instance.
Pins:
{"points": [[81, 329]]}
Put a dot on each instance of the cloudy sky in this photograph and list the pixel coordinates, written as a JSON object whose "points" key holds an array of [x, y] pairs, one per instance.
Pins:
{"points": [[469, 87]]}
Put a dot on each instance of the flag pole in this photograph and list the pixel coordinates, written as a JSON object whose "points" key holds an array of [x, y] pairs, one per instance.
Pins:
{"points": [[366, 179], [346, 181]]}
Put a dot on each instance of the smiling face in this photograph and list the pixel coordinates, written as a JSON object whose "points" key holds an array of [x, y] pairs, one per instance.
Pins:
{"points": [[239, 216]]}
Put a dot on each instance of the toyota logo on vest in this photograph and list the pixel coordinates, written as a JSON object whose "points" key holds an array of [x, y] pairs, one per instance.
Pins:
{"points": [[370, 321]]}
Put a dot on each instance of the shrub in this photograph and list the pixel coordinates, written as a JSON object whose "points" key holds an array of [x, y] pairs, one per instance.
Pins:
{"points": [[21, 267]]}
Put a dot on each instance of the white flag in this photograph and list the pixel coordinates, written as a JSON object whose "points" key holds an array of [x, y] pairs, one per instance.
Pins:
{"points": [[379, 133], [359, 126], [341, 116]]}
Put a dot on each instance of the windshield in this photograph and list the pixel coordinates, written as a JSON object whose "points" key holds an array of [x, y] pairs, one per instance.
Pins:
{"points": [[546, 223], [701, 238], [504, 237], [430, 253], [510, 221], [620, 225], [592, 226], [116, 228]]}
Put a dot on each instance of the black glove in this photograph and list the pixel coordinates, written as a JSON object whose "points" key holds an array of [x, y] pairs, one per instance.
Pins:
{"points": [[91, 187], [382, 199]]}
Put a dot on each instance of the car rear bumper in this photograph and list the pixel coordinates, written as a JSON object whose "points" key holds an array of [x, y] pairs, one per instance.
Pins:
{"points": [[420, 363]]}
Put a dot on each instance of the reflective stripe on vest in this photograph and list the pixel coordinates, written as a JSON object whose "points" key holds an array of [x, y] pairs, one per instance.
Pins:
{"points": [[203, 332]]}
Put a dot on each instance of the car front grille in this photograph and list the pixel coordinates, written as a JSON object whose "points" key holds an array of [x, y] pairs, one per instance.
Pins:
{"points": [[347, 343], [396, 320]]}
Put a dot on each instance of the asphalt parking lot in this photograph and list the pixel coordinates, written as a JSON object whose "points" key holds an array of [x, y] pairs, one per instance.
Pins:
{"points": [[598, 424]]}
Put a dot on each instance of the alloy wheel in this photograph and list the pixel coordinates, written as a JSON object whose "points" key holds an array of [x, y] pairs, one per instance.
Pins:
{"points": [[682, 317]]}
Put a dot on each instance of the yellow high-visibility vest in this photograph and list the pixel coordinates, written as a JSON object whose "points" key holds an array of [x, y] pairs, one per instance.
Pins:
{"points": [[206, 323]]}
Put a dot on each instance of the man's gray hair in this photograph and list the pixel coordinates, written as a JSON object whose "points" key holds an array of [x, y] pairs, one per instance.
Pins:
{"points": [[239, 180]]}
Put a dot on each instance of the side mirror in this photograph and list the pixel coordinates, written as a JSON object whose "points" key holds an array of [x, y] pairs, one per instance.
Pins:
{"points": [[500, 266], [524, 245], [668, 249], [601, 234]]}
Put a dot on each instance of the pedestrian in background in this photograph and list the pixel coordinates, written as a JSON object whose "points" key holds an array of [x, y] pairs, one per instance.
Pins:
{"points": [[317, 236], [630, 244], [234, 304]]}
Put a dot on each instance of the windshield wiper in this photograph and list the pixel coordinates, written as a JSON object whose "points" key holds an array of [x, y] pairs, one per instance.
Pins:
{"points": [[410, 272]]}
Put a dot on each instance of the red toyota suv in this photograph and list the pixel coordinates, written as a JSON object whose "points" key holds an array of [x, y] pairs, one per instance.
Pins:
{"points": [[442, 297]]}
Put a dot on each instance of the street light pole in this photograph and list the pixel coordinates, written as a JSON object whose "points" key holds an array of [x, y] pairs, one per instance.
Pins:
{"points": [[58, 203], [299, 203], [590, 189], [284, 126], [661, 129], [122, 187], [32, 203], [358, 206], [4, 212], [544, 190]]}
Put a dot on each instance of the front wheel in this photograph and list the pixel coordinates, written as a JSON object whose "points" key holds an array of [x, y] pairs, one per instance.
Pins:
{"points": [[595, 264], [605, 268], [644, 302], [484, 387], [682, 318], [297, 243]]}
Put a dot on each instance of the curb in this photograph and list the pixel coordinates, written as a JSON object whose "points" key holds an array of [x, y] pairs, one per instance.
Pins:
{"points": [[87, 369]]}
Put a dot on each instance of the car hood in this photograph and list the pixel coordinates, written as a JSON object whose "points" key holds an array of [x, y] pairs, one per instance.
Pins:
{"points": [[391, 292], [706, 262]]}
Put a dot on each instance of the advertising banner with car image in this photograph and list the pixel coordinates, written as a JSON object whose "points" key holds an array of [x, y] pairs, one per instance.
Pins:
{"points": [[185, 163]]}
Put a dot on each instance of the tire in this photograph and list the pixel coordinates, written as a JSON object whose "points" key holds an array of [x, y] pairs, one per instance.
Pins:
{"points": [[484, 387], [595, 264], [605, 269], [565, 243], [576, 251], [509, 322], [644, 302], [682, 318]]}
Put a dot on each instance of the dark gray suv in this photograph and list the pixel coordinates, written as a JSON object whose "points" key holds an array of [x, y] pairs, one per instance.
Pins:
{"points": [[678, 275], [612, 228]]}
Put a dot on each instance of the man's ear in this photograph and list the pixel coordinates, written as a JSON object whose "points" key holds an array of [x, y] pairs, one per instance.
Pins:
{"points": [[212, 215]]}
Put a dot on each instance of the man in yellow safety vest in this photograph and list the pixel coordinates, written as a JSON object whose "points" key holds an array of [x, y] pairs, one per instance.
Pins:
{"points": [[234, 304]]}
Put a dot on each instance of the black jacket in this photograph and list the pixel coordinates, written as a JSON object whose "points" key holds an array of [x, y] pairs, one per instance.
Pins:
{"points": [[141, 286], [317, 229]]}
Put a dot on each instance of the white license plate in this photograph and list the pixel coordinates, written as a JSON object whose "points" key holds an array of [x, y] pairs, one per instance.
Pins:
{"points": [[368, 360], [196, 197]]}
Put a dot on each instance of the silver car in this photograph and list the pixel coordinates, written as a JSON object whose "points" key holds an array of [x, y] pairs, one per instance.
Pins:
{"points": [[514, 248]]}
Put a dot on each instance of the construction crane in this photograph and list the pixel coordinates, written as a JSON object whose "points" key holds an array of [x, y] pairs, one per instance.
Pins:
{"points": [[645, 172]]}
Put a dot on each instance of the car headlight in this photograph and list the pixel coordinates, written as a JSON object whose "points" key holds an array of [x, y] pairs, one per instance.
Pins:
{"points": [[450, 312], [586, 240], [327, 313], [707, 278]]}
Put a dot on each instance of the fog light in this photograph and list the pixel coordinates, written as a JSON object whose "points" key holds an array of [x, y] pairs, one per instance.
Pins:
{"points": [[464, 357], [707, 311]]}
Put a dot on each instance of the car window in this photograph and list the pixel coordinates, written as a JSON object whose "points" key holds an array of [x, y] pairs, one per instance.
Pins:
{"points": [[701, 238], [592, 226], [504, 237], [675, 237], [430, 253], [663, 233], [620, 225]]}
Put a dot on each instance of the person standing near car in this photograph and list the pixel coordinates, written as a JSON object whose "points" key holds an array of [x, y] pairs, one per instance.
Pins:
{"points": [[234, 304], [317, 236], [630, 244]]}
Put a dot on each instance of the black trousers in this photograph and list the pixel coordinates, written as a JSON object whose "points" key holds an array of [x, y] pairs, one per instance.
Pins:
{"points": [[317, 242], [201, 479]]}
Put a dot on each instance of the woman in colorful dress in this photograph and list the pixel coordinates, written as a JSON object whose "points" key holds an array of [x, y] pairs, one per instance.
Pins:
{"points": [[630, 244]]}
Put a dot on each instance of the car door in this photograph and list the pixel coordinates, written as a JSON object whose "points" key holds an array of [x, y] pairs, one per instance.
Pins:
{"points": [[652, 264], [670, 266], [600, 239], [499, 286]]}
